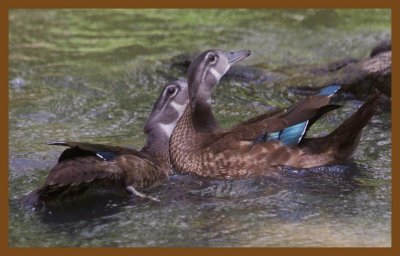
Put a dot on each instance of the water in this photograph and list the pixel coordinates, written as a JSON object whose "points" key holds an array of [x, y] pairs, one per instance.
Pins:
{"points": [[93, 75]]}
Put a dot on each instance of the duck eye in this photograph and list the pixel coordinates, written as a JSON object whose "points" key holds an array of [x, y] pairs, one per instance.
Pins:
{"points": [[212, 59], [171, 90]]}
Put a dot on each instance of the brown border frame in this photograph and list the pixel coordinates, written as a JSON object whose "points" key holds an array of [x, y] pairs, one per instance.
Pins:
{"points": [[5, 5]]}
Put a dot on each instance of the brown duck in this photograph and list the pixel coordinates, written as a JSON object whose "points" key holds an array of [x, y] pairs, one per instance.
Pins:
{"points": [[262, 144], [85, 165]]}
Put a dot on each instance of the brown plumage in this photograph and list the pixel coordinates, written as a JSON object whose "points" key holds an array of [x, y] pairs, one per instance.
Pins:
{"points": [[86, 165], [340, 144], [200, 148]]}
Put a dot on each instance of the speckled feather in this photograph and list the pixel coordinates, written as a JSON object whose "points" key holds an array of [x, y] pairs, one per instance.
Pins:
{"points": [[232, 154], [198, 146]]}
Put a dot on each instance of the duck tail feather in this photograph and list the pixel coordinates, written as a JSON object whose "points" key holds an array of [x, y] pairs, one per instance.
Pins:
{"points": [[33, 200], [344, 139]]}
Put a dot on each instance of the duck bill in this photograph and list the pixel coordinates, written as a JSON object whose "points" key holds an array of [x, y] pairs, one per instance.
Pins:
{"points": [[234, 57]]}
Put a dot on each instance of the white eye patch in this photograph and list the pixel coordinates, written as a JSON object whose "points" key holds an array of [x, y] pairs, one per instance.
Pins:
{"points": [[168, 128], [177, 107], [215, 73]]}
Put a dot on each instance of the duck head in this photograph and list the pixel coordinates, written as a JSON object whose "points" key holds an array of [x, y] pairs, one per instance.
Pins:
{"points": [[204, 73], [164, 116], [207, 69]]}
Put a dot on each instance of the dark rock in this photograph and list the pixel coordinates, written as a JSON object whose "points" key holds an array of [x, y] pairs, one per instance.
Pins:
{"points": [[384, 46], [182, 61], [333, 66], [357, 77], [364, 77], [252, 75]]}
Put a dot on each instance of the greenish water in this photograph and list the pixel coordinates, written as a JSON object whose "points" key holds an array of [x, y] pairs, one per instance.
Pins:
{"points": [[93, 75]]}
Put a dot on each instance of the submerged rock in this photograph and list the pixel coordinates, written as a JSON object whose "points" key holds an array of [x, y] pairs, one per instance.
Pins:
{"points": [[23, 164], [18, 83]]}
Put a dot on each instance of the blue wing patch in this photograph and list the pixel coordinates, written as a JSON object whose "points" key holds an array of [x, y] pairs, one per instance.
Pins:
{"points": [[106, 155], [288, 136], [292, 135], [329, 90]]}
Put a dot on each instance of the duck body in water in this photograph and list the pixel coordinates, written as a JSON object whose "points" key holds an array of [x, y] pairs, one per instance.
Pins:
{"points": [[260, 145], [85, 165]]}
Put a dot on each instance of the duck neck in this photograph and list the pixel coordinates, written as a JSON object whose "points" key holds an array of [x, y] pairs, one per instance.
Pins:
{"points": [[201, 87], [184, 144], [202, 116], [156, 147]]}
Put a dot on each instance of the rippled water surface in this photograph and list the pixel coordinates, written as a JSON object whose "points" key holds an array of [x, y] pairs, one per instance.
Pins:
{"points": [[93, 75]]}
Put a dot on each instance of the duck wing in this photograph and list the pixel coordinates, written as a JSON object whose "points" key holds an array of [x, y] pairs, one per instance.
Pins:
{"points": [[85, 165], [85, 162], [286, 125], [105, 152]]}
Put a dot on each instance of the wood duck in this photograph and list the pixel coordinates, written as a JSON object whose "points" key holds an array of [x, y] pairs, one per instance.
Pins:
{"points": [[260, 145], [85, 165]]}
